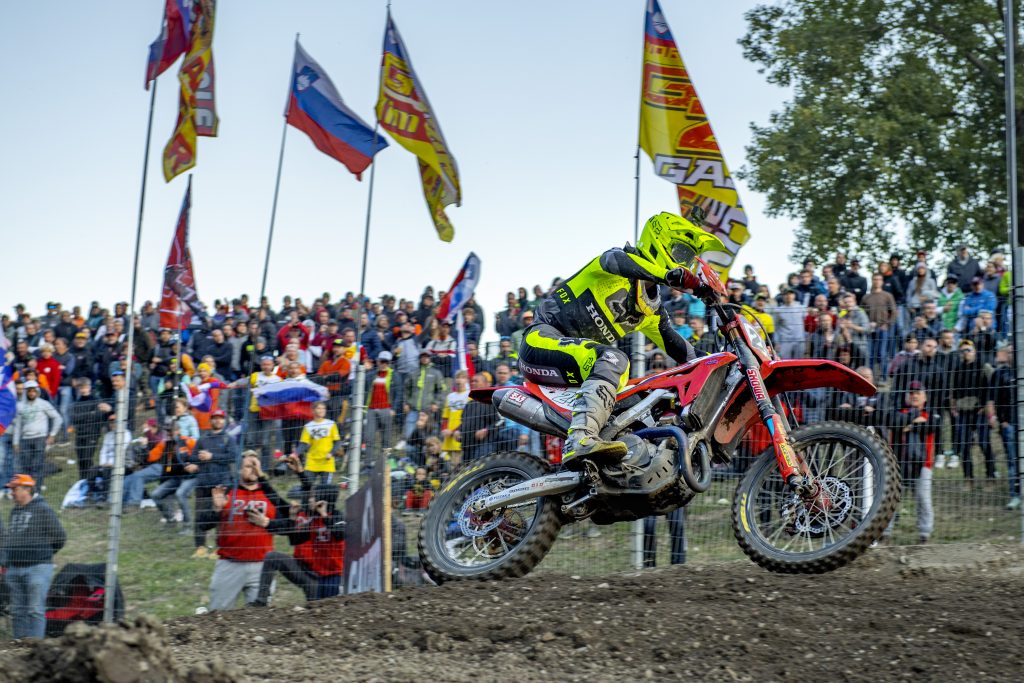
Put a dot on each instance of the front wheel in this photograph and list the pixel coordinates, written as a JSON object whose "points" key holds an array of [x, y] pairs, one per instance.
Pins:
{"points": [[455, 543], [858, 485]]}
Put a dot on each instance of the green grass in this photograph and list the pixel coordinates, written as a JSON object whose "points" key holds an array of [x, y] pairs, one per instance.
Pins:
{"points": [[159, 578], [157, 575]]}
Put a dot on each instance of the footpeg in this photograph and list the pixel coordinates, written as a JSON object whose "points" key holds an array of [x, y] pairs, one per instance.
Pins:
{"points": [[579, 501]]}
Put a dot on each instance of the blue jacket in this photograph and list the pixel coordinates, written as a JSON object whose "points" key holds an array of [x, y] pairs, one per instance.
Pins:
{"points": [[976, 302]]}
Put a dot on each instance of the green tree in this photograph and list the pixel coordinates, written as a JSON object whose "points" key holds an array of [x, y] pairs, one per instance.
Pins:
{"points": [[897, 120]]}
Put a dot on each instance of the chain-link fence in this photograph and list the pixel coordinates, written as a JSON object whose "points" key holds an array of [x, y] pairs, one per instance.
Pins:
{"points": [[946, 416]]}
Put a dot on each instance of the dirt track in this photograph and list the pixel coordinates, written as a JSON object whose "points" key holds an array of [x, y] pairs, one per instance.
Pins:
{"points": [[928, 613]]}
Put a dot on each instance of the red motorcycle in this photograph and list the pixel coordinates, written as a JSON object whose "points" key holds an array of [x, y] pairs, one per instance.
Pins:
{"points": [[811, 504]]}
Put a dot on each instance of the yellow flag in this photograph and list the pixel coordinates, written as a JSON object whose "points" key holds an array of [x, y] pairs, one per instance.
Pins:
{"points": [[197, 113], [405, 113], [676, 134]]}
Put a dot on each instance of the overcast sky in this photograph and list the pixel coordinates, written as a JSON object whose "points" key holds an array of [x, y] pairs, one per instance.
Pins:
{"points": [[538, 102]]}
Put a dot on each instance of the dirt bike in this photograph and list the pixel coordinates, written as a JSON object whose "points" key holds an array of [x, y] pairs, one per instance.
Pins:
{"points": [[810, 504]]}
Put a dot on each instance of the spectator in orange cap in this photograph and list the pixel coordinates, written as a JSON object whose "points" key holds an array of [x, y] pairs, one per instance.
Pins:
{"points": [[32, 537]]}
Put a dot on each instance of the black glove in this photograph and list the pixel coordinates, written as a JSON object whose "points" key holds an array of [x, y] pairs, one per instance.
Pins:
{"points": [[679, 278]]}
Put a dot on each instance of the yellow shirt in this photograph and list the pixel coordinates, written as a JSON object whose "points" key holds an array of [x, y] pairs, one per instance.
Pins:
{"points": [[753, 315], [452, 416], [321, 436]]}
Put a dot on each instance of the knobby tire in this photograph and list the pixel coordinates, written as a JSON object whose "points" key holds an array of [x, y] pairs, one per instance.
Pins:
{"points": [[521, 560], [843, 553]]}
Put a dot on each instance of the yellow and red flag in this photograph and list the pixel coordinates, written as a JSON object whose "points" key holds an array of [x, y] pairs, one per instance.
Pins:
{"points": [[197, 112], [676, 134], [405, 113]]}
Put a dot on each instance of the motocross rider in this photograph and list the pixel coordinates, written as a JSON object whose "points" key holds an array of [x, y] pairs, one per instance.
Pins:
{"points": [[572, 341]]}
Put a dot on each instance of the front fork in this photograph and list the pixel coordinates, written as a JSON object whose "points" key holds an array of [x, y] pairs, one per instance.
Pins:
{"points": [[793, 469]]}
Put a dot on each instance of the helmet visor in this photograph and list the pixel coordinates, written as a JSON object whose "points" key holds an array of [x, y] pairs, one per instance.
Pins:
{"points": [[683, 254]]}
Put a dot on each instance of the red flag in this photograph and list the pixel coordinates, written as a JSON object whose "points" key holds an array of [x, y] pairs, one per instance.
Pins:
{"points": [[180, 300], [172, 41]]}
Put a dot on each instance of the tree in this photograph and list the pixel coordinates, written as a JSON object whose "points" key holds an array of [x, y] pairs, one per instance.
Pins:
{"points": [[897, 120]]}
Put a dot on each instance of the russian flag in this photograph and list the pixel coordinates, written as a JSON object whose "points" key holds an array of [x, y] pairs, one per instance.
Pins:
{"points": [[289, 398], [316, 108]]}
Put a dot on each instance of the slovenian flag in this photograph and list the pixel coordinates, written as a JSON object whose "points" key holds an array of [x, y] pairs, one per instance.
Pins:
{"points": [[8, 398], [316, 108]]}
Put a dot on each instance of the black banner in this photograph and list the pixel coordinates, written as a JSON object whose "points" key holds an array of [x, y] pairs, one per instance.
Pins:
{"points": [[367, 546]]}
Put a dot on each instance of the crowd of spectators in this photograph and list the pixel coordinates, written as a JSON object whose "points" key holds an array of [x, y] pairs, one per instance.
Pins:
{"points": [[943, 354], [202, 445]]}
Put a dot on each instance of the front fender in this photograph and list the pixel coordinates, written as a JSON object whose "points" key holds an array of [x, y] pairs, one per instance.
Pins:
{"points": [[812, 373], [786, 375]]}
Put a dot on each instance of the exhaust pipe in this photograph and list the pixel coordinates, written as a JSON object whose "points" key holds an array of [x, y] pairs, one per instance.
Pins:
{"points": [[519, 406]]}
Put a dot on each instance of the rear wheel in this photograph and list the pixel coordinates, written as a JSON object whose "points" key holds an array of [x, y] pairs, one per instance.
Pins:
{"points": [[858, 491], [457, 544]]}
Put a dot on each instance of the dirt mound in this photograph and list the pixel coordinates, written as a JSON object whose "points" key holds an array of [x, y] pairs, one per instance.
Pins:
{"points": [[928, 613], [126, 653], [931, 613]]}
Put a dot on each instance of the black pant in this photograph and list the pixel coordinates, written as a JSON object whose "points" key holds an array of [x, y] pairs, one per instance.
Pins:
{"points": [[204, 505], [85, 453], [677, 532], [546, 356], [291, 569], [291, 430]]}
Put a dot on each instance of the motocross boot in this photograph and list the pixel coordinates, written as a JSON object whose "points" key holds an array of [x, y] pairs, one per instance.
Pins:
{"points": [[590, 411]]}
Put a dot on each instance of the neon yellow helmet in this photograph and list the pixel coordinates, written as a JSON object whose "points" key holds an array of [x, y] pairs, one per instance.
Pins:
{"points": [[671, 241]]}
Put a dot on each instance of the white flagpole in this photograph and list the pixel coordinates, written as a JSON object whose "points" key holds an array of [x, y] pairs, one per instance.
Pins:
{"points": [[122, 398], [460, 339], [266, 268], [359, 391], [637, 362]]}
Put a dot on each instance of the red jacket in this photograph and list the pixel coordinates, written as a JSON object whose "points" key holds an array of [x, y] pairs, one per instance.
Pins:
{"points": [[50, 369], [283, 337], [323, 549], [238, 539]]}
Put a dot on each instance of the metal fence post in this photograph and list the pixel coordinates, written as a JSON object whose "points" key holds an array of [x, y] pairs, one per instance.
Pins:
{"points": [[638, 365], [1016, 251]]}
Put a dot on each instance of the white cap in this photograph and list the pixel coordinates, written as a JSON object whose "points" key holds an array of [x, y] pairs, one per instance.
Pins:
{"points": [[31, 384], [385, 355]]}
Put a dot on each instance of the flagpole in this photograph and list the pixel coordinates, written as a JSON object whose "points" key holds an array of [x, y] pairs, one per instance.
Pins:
{"points": [[638, 360], [460, 339], [359, 391], [273, 210], [636, 193], [125, 395], [181, 343], [247, 402]]}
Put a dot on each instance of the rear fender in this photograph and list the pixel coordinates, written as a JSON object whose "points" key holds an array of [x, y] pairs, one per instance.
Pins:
{"points": [[780, 376], [486, 395]]}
